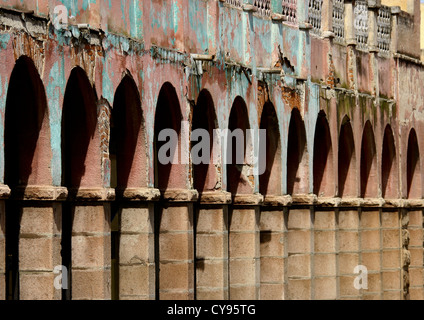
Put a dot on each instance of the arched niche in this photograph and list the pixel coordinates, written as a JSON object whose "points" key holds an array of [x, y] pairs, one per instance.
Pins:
{"points": [[81, 164], [297, 156], [270, 179], [323, 158], [27, 131], [127, 146], [204, 122], [347, 186], [368, 173]]}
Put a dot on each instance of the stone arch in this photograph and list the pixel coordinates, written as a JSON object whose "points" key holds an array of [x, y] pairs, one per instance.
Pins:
{"points": [[323, 158], [347, 160], [389, 178], [27, 156], [237, 181], [127, 146], [27, 131], [297, 156], [270, 180], [413, 172], [81, 158], [368, 169], [168, 117], [205, 176]]}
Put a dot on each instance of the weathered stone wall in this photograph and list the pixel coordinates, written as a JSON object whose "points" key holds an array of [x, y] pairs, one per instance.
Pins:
{"points": [[343, 180]]}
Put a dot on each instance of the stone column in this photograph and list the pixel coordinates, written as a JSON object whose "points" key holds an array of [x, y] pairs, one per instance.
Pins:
{"points": [[299, 249], [174, 251], [244, 256], [391, 266], [273, 249], [415, 247], [91, 244], [371, 242], [324, 262], [327, 19], [212, 246], [136, 244], [351, 44], [4, 194], [373, 7], [39, 240], [348, 252]]}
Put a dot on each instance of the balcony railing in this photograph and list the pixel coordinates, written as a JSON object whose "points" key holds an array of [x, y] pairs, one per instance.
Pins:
{"points": [[235, 3], [361, 24], [263, 7], [338, 21], [289, 11], [384, 29], [314, 15]]}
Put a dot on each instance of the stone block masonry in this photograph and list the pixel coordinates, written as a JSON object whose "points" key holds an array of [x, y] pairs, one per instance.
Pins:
{"points": [[86, 92]]}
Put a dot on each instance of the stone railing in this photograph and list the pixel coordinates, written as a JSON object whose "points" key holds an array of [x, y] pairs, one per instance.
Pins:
{"points": [[289, 11], [263, 7], [314, 15], [384, 29], [236, 3], [338, 20], [360, 24]]}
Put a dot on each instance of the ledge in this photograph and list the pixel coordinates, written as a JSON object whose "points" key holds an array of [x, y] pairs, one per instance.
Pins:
{"points": [[304, 199], [305, 26], [328, 201], [4, 191], [413, 203], [180, 195], [92, 194], [277, 17], [38, 193], [248, 199], [249, 8], [138, 194], [350, 202], [215, 197], [275, 201]]}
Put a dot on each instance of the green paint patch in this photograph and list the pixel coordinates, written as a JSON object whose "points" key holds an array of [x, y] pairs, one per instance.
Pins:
{"points": [[4, 40]]}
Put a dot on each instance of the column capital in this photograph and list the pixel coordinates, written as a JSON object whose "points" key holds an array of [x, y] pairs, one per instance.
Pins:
{"points": [[40, 193], [215, 197], [138, 194]]}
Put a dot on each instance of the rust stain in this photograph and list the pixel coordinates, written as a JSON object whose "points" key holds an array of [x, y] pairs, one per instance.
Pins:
{"points": [[291, 98]]}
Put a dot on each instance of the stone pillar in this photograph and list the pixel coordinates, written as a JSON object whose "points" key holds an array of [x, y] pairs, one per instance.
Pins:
{"points": [[273, 249], [351, 44], [91, 244], [349, 20], [327, 18], [136, 267], [371, 242], [2, 251], [174, 251], [391, 266], [415, 247], [299, 249], [39, 241], [324, 262], [373, 50], [212, 246], [348, 252], [244, 256], [4, 193]]}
